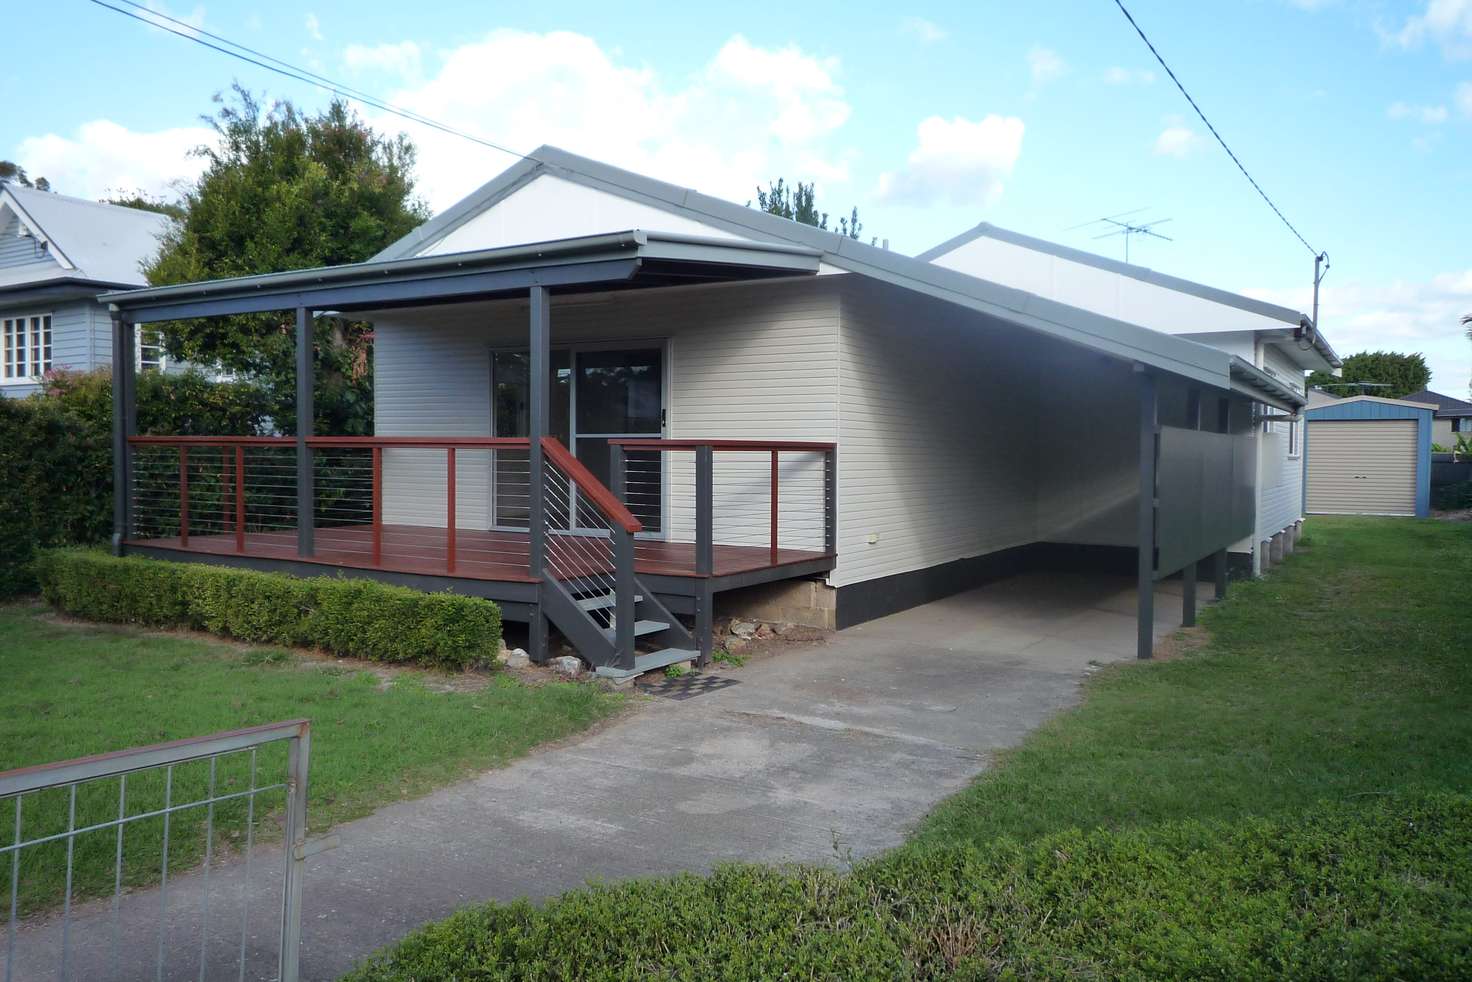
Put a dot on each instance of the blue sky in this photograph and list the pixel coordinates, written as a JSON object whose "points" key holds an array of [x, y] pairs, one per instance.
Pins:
{"points": [[1355, 116]]}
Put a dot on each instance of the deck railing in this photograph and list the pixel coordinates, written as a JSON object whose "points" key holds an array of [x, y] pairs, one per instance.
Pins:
{"points": [[780, 493]]}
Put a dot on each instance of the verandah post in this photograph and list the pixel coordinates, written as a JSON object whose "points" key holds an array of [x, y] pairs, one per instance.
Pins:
{"points": [[1145, 516], [124, 425], [540, 351], [450, 508], [704, 510], [305, 424], [774, 507]]}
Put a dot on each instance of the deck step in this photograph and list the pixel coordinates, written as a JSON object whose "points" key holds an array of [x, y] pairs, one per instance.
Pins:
{"points": [[605, 601], [641, 628], [651, 662]]}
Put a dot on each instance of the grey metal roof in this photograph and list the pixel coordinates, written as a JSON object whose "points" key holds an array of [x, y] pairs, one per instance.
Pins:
{"points": [[1144, 274], [1122, 339], [95, 242], [621, 254], [1447, 407]]}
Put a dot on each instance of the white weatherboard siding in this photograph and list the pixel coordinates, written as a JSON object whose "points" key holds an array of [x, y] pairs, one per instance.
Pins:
{"points": [[73, 344], [937, 434], [22, 253], [549, 208], [755, 361], [1280, 475], [1362, 467]]}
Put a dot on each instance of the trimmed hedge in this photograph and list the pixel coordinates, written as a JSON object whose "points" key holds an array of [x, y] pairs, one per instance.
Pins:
{"points": [[1346, 890], [361, 618]]}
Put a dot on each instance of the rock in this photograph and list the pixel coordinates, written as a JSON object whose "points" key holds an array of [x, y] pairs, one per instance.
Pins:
{"points": [[567, 666], [736, 646], [743, 629], [516, 658], [763, 630], [782, 630]]}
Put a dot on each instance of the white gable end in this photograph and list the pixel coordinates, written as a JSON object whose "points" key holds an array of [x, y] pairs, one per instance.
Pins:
{"points": [[1100, 290], [549, 208]]}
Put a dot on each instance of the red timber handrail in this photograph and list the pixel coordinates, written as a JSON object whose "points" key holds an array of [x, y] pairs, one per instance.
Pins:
{"points": [[590, 487], [705, 517], [376, 444]]}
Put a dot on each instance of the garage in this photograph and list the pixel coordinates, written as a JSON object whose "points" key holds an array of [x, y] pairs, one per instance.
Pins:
{"points": [[1368, 456]]}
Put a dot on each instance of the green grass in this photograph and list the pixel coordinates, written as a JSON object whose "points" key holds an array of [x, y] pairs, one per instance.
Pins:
{"points": [[73, 689], [1292, 799]]}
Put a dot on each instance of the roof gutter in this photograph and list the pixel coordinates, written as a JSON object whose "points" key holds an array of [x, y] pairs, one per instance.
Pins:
{"points": [[1250, 380]]}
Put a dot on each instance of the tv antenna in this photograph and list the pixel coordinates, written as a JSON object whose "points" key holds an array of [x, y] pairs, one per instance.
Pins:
{"points": [[1126, 229]]}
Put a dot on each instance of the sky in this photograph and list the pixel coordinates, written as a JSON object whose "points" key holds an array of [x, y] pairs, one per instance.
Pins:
{"points": [[1355, 116]]}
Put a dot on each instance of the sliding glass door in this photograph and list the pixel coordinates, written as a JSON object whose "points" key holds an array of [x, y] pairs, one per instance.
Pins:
{"points": [[597, 393]]}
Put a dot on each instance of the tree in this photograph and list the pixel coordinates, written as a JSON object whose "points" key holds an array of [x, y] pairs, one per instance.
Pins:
{"points": [[1399, 374], [11, 171], [143, 201], [286, 190], [798, 203]]}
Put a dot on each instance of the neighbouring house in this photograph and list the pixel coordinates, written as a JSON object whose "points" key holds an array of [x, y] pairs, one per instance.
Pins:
{"points": [[1280, 341], [1452, 418], [57, 255], [1369, 456], [609, 402]]}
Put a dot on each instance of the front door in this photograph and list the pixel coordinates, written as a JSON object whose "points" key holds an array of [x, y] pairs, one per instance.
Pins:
{"points": [[597, 393]]}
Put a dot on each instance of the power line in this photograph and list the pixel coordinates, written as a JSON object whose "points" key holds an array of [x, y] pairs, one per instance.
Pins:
{"points": [[261, 60], [1276, 210]]}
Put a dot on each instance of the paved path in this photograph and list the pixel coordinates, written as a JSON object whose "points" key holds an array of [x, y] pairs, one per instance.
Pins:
{"points": [[849, 742]]}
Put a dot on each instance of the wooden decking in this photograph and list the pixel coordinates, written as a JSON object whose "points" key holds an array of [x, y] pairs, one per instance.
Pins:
{"points": [[479, 555]]}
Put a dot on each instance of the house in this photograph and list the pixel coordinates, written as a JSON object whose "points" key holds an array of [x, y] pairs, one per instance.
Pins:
{"points": [[1452, 417], [604, 401], [57, 255], [1278, 340], [1369, 456]]}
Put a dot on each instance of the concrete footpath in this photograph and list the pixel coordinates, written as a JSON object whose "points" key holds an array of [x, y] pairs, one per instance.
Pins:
{"points": [[817, 754]]}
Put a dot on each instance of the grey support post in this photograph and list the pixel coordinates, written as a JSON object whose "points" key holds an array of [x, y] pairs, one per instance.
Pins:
{"points": [[1145, 518], [124, 425], [704, 510], [540, 344], [305, 426], [1188, 594], [1219, 571]]}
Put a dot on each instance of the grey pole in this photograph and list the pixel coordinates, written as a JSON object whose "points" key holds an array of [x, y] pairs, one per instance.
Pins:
{"points": [[124, 425], [704, 510], [1188, 595], [540, 344], [1145, 576], [305, 425], [1220, 572]]}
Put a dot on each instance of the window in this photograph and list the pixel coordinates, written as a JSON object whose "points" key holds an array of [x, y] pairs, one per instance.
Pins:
{"points": [[1293, 439], [150, 351], [27, 347], [1462, 424]]}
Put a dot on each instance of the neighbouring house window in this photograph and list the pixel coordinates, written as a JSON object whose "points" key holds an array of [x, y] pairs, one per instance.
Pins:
{"points": [[151, 351], [1462, 424], [27, 347]]}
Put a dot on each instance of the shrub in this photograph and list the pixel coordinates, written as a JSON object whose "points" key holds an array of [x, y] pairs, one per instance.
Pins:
{"points": [[56, 454], [361, 618], [1342, 891]]}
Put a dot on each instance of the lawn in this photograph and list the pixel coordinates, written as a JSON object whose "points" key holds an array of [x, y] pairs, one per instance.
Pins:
{"points": [[1292, 798], [73, 689]]}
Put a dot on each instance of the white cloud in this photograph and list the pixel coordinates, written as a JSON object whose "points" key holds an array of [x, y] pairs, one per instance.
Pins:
{"points": [[1463, 99], [1447, 23], [750, 114], [314, 27], [1406, 316], [1045, 64], [1116, 75], [103, 157], [927, 31], [402, 60], [1430, 115], [956, 160], [1177, 141]]}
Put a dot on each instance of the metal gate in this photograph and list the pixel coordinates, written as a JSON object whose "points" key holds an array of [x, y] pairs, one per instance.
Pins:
{"points": [[157, 818]]}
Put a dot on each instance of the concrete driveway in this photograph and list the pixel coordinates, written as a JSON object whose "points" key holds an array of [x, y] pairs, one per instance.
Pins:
{"points": [[820, 753]]}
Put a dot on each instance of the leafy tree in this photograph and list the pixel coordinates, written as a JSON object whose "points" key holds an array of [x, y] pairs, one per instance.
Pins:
{"points": [[286, 190], [1400, 374], [798, 203], [143, 201], [11, 171]]}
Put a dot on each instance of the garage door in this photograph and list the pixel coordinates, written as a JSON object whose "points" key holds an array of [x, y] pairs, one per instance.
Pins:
{"points": [[1362, 467]]}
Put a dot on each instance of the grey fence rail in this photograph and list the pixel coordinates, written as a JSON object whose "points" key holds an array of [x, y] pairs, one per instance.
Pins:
{"points": [[85, 831]]}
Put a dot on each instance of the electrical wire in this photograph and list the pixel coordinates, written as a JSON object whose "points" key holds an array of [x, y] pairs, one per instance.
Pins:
{"points": [[1257, 187]]}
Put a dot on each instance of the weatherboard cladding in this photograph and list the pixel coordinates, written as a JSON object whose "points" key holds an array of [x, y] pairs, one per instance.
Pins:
{"points": [[1280, 477], [73, 345], [18, 252]]}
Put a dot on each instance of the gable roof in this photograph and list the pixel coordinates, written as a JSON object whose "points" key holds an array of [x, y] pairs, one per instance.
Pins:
{"points": [[1118, 338], [1262, 308], [1381, 400], [1446, 406], [90, 241]]}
